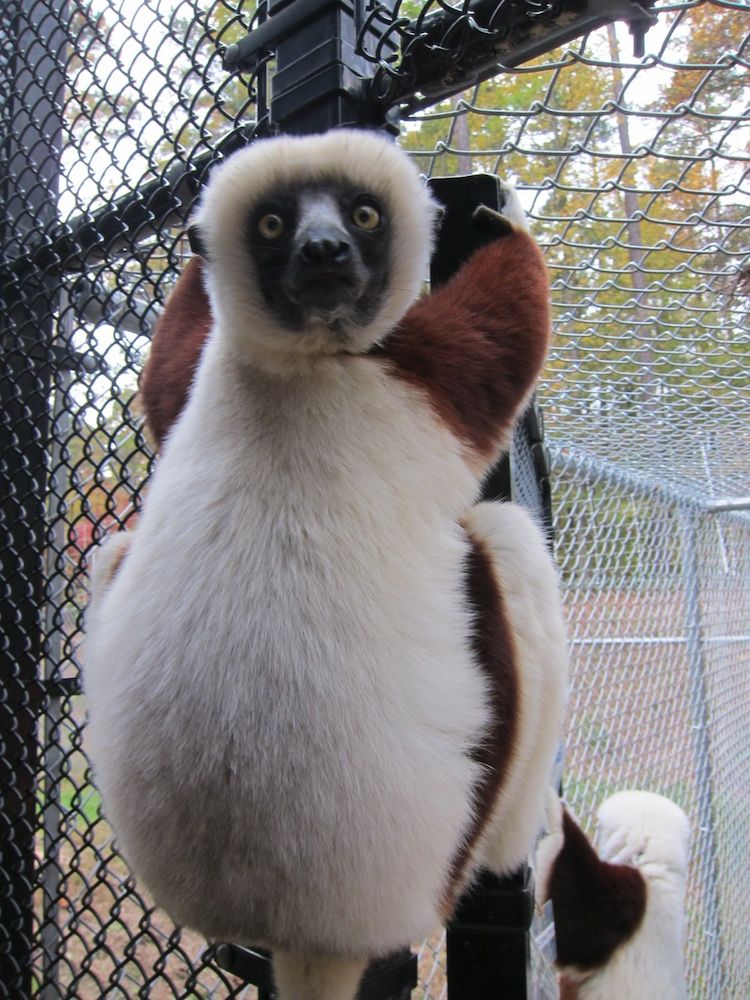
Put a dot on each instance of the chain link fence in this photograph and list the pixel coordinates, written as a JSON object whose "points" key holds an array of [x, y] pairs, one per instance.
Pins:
{"points": [[635, 174]]}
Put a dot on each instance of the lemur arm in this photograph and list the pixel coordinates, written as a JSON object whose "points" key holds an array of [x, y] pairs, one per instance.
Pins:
{"points": [[180, 333], [107, 560], [477, 344]]}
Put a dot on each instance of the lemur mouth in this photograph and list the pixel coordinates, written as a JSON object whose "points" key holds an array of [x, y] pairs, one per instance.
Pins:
{"points": [[327, 291]]}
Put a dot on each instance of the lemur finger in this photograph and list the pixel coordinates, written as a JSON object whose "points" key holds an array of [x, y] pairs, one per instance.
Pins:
{"points": [[107, 560], [510, 218], [488, 220]]}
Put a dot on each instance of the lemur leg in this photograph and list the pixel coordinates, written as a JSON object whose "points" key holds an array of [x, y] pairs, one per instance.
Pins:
{"points": [[529, 598], [619, 914], [107, 559], [307, 977]]}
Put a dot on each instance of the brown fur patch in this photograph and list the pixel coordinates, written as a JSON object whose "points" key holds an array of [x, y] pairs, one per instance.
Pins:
{"points": [[477, 344], [176, 347], [494, 650], [598, 906]]}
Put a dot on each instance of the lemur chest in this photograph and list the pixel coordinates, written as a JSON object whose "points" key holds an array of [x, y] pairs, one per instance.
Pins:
{"points": [[316, 474], [295, 588], [311, 519]]}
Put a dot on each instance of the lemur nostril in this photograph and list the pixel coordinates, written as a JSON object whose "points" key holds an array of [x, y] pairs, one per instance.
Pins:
{"points": [[325, 250], [342, 252]]}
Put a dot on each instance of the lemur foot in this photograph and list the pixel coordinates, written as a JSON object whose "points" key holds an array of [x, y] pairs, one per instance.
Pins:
{"points": [[636, 828], [549, 846]]}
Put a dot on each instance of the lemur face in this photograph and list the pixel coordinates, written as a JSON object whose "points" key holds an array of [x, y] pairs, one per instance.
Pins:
{"points": [[321, 253], [314, 245]]}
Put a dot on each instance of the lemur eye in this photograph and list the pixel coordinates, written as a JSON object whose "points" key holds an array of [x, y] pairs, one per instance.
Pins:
{"points": [[270, 226], [365, 215]]}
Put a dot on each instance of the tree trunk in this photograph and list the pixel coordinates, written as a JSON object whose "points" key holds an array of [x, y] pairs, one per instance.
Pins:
{"points": [[460, 137], [633, 228]]}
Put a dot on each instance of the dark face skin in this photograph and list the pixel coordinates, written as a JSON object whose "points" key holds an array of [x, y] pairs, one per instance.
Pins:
{"points": [[322, 255]]}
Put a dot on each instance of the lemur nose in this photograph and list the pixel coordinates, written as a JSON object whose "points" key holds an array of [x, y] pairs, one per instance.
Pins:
{"points": [[325, 250]]}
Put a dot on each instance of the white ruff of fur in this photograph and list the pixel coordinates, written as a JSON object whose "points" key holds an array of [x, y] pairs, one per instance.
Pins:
{"points": [[359, 158], [652, 834]]}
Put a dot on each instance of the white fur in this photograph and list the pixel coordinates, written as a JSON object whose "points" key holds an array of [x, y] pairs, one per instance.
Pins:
{"points": [[317, 649], [300, 977], [512, 209], [106, 559], [651, 833], [548, 847]]}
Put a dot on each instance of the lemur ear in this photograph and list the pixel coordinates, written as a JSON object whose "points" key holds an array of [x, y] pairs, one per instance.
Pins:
{"points": [[179, 335], [195, 239]]}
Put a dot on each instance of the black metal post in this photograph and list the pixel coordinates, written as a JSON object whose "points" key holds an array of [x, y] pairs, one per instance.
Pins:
{"points": [[488, 943], [488, 950], [319, 75], [32, 79]]}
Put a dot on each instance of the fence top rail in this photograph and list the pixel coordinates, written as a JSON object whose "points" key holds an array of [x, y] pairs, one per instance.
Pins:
{"points": [[567, 458]]}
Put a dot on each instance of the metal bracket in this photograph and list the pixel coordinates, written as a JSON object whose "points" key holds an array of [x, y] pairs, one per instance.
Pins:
{"points": [[320, 71], [454, 48], [390, 978]]}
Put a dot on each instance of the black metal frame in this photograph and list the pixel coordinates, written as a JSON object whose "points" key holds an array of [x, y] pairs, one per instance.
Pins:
{"points": [[24, 404], [335, 64]]}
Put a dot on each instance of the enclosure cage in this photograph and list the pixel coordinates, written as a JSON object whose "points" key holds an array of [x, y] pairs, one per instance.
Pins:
{"points": [[626, 128]]}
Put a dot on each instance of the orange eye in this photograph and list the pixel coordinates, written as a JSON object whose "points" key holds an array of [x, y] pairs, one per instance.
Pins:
{"points": [[271, 226], [365, 216]]}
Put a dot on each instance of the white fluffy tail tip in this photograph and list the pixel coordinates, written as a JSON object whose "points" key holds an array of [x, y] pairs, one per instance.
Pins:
{"points": [[638, 828], [312, 977]]}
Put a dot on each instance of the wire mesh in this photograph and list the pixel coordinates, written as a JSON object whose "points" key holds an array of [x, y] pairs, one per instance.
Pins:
{"points": [[657, 597], [635, 174]]}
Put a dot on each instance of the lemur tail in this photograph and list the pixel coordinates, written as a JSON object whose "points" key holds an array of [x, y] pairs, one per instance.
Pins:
{"points": [[312, 977]]}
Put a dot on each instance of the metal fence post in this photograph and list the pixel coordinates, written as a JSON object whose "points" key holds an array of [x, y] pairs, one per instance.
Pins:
{"points": [[700, 726], [29, 171]]}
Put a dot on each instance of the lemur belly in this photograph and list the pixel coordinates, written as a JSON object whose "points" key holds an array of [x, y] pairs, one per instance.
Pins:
{"points": [[281, 689]]}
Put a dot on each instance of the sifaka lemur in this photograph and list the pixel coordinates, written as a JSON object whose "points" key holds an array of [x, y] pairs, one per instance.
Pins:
{"points": [[325, 685]]}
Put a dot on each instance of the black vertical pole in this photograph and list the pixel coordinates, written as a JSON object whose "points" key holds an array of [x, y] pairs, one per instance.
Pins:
{"points": [[488, 944], [32, 45], [319, 79]]}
